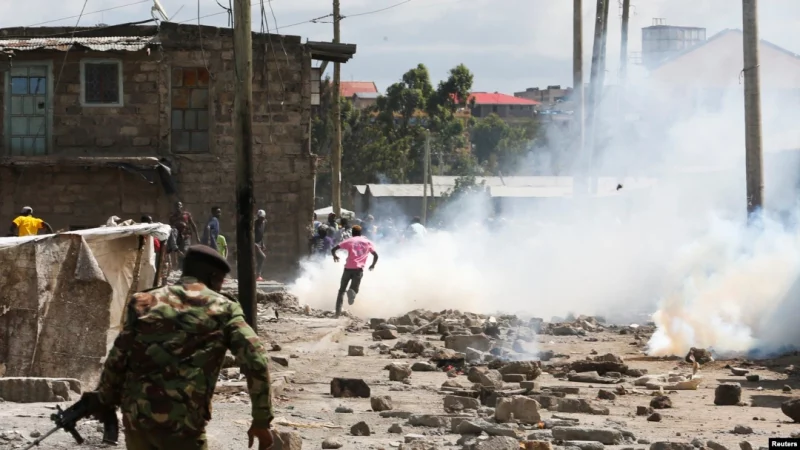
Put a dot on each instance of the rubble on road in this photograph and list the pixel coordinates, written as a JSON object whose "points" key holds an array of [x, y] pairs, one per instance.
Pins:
{"points": [[792, 409], [602, 435], [728, 394], [349, 387], [34, 390]]}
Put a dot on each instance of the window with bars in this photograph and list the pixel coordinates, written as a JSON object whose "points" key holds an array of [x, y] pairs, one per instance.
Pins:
{"points": [[101, 82], [190, 110]]}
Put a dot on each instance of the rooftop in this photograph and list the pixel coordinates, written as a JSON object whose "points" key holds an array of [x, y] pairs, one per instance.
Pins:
{"points": [[349, 88], [496, 98], [102, 44]]}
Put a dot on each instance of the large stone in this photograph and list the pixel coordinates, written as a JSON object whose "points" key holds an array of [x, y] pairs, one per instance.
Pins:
{"points": [[728, 394], [375, 322], [381, 403], [384, 334], [399, 372], [349, 387], [415, 346], [498, 443], [664, 445], [287, 440], [360, 429], [606, 436], [661, 402], [34, 390], [422, 366], [355, 350], [491, 379], [792, 409], [478, 426], [523, 409], [600, 364], [537, 445], [446, 354], [584, 445], [459, 403], [429, 420], [460, 343], [332, 442], [579, 405], [530, 369]]}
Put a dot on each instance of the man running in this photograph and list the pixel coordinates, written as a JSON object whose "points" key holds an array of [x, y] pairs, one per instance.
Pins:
{"points": [[358, 250], [212, 228], [186, 230], [27, 225]]}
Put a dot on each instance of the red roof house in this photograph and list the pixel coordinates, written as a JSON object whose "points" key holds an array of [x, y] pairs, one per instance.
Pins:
{"points": [[349, 88], [496, 98]]}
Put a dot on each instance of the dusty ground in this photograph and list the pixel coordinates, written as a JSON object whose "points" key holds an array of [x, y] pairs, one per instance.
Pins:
{"points": [[319, 350]]}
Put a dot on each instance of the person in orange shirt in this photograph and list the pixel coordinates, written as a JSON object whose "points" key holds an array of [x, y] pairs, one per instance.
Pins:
{"points": [[27, 225]]}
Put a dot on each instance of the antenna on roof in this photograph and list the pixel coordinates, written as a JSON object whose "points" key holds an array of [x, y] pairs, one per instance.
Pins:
{"points": [[159, 9]]}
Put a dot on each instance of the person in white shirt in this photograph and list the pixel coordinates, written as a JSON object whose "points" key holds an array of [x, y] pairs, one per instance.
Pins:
{"points": [[416, 231]]}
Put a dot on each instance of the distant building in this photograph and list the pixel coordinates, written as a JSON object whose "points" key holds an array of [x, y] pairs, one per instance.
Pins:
{"points": [[661, 42], [505, 106], [549, 97], [361, 93]]}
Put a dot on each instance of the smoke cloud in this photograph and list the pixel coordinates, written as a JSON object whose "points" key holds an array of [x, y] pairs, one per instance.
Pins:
{"points": [[673, 245]]}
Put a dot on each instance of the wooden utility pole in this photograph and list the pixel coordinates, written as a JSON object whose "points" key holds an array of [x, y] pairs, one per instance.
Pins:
{"points": [[425, 170], [601, 80], [243, 146], [754, 159], [623, 52], [336, 153], [577, 75]]}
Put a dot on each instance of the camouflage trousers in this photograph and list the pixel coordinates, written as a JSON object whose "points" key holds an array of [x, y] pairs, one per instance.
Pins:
{"points": [[138, 440]]}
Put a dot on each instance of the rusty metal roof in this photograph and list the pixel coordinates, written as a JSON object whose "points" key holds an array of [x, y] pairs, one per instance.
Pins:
{"points": [[101, 44]]}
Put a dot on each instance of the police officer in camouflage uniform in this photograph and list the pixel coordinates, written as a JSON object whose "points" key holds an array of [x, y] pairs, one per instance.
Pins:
{"points": [[165, 362]]}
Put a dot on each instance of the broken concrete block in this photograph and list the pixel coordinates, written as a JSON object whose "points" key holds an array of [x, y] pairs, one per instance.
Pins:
{"points": [[460, 343], [530, 369], [398, 372], [498, 443], [384, 334], [287, 440], [429, 420], [281, 360], [421, 366], [360, 429], [375, 322], [728, 394], [33, 389], [459, 403], [513, 378], [663, 445], [349, 387], [523, 409], [491, 378], [579, 405], [381, 403], [355, 350], [332, 443], [605, 436], [792, 409], [538, 445]]}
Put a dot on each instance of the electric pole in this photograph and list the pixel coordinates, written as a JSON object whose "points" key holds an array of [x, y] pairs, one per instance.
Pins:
{"points": [[594, 92], [623, 53], [754, 159], [577, 74], [425, 169], [336, 153], [243, 146]]}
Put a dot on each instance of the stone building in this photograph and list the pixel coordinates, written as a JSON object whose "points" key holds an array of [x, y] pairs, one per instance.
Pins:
{"points": [[125, 120]]}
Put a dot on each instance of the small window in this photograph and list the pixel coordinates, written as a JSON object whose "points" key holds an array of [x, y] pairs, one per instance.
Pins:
{"points": [[190, 105], [101, 83]]}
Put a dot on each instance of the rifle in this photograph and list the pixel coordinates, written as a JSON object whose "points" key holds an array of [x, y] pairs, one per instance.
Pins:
{"points": [[67, 419]]}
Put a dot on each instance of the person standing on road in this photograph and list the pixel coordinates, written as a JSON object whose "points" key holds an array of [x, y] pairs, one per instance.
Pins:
{"points": [[27, 225], [345, 231], [164, 364], [261, 246], [183, 223], [416, 231], [358, 250], [211, 231]]}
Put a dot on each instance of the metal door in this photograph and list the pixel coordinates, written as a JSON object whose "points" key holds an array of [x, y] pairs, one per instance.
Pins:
{"points": [[27, 99]]}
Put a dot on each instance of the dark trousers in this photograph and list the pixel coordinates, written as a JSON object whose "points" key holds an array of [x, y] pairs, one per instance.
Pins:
{"points": [[260, 258], [353, 278]]}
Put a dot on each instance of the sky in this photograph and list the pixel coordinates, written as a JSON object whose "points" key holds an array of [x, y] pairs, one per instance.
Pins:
{"points": [[509, 45]]}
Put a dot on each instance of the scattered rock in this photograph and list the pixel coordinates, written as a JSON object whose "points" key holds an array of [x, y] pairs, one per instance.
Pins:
{"points": [[355, 350], [530, 369], [460, 343], [398, 372], [35, 434], [605, 436], [604, 394], [332, 442], [415, 346], [384, 335], [744, 445], [661, 402], [381, 403], [429, 420], [600, 364], [409, 438], [375, 322], [524, 409], [349, 387], [281, 360], [739, 372], [792, 409], [513, 378], [491, 379], [396, 428], [643, 410], [344, 410], [498, 443], [535, 444], [566, 330], [728, 394], [276, 347], [741, 429], [360, 429], [579, 405], [287, 440], [11, 436], [787, 388], [421, 366], [655, 417], [753, 378], [701, 355], [34, 389], [584, 445], [459, 403], [713, 445], [663, 445]]}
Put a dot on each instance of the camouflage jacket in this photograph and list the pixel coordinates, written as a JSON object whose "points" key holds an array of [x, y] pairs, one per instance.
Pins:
{"points": [[164, 364]]}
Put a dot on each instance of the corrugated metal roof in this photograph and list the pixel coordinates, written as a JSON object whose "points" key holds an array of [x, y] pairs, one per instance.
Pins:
{"points": [[530, 191], [401, 190], [101, 44]]}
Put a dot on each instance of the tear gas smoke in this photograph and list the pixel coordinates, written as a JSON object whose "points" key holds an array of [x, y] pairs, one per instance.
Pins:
{"points": [[674, 240]]}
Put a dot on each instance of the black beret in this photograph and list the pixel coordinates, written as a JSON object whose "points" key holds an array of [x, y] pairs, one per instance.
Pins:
{"points": [[209, 256]]}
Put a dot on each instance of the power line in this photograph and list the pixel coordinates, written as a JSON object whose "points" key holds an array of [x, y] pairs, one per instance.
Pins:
{"points": [[378, 10], [91, 12]]}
